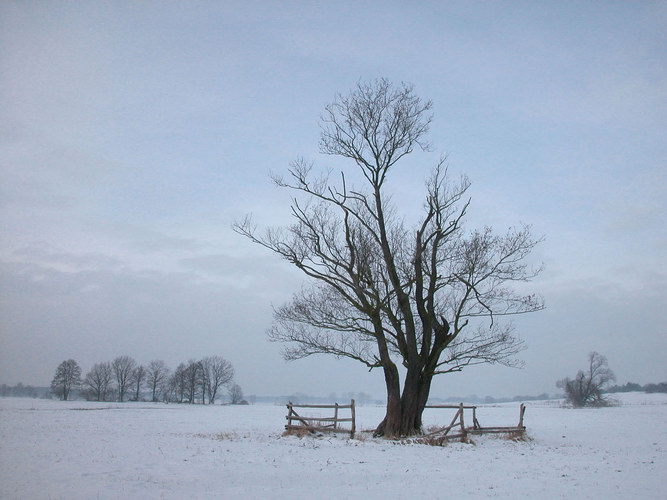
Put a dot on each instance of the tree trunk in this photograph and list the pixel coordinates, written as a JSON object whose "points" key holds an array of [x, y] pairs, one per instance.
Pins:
{"points": [[410, 404], [404, 414], [390, 425]]}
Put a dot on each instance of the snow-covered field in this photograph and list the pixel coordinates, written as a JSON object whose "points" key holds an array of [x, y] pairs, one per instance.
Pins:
{"points": [[53, 449]]}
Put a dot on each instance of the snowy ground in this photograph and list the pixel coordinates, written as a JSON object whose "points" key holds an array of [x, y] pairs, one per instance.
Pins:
{"points": [[52, 449]]}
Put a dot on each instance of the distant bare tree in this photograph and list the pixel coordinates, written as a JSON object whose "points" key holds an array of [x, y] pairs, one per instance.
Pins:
{"points": [[170, 392], [361, 398], [157, 374], [178, 383], [202, 382], [138, 380], [98, 380], [217, 372], [193, 380], [586, 388], [67, 377], [123, 367], [235, 394]]}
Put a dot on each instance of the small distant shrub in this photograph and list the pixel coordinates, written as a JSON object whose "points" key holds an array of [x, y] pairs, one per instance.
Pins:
{"points": [[586, 388]]}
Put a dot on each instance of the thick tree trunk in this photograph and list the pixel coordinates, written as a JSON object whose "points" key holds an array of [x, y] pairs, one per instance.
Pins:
{"points": [[410, 407], [404, 414], [390, 425]]}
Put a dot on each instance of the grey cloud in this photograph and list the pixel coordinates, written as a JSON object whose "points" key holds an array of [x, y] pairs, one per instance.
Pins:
{"points": [[226, 265], [141, 238], [48, 256]]}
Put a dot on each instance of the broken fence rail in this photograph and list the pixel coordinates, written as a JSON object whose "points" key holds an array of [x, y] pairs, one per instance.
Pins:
{"points": [[441, 435]]}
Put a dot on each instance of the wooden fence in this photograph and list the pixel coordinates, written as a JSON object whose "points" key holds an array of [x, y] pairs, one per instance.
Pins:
{"points": [[460, 431], [312, 424]]}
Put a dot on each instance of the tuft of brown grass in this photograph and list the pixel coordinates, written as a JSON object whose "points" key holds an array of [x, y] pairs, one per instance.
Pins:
{"points": [[430, 441], [518, 436], [220, 436], [302, 432], [225, 436], [362, 435]]}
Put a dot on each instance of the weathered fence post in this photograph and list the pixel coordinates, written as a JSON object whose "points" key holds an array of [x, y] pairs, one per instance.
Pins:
{"points": [[463, 428], [289, 414], [475, 422], [354, 418], [335, 423], [522, 410]]}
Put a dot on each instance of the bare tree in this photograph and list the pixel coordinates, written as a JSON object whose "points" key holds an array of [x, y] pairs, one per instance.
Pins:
{"points": [[235, 394], [170, 392], [193, 380], [137, 381], [67, 377], [217, 372], [178, 383], [157, 374], [202, 381], [98, 380], [123, 367], [427, 297], [586, 388]]}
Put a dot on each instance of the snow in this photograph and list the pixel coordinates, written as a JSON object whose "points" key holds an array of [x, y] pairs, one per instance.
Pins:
{"points": [[54, 449]]}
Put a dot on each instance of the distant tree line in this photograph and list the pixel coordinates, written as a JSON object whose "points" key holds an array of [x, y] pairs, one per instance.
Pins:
{"points": [[633, 387], [20, 391], [123, 379]]}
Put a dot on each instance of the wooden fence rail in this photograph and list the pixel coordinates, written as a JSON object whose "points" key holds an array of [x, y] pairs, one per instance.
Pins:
{"points": [[455, 430], [314, 424], [442, 434]]}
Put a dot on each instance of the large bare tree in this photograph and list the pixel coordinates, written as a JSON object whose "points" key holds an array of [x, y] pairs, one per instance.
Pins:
{"points": [[426, 297]]}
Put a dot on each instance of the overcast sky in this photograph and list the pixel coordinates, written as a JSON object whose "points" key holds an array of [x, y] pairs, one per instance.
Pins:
{"points": [[134, 133]]}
